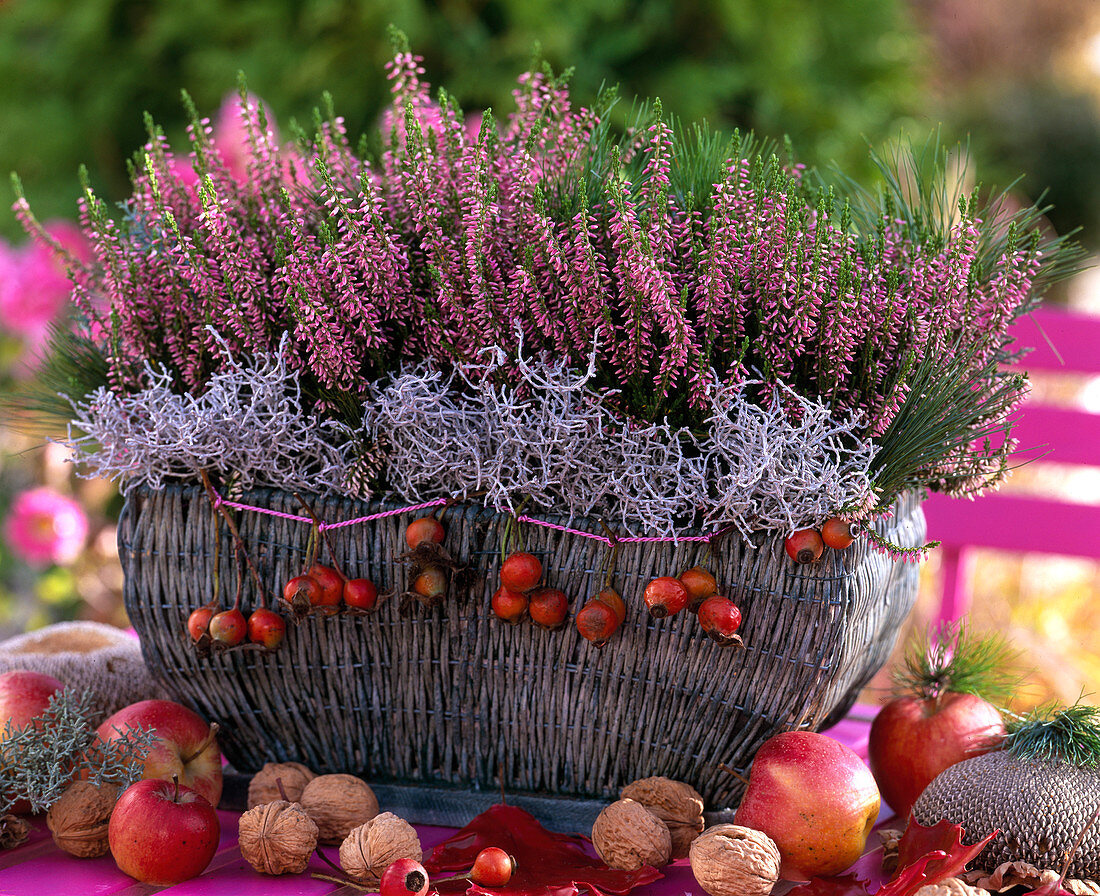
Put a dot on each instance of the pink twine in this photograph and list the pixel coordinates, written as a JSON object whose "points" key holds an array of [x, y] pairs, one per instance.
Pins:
{"points": [[637, 539]]}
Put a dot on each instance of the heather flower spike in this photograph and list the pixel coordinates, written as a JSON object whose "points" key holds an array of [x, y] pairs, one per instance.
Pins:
{"points": [[769, 341]]}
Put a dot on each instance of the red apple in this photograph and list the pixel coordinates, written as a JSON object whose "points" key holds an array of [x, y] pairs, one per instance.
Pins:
{"points": [[24, 695], [163, 833], [815, 798], [913, 739], [185, 745]]}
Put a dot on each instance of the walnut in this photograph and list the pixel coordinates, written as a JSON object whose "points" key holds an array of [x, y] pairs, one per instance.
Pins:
{"points": [[950, 886], [14, 831], [627, 836], [338, 803], [370, 848], [79, 819], [264, 789], [731, 860], [678, 805], [277, 838]]}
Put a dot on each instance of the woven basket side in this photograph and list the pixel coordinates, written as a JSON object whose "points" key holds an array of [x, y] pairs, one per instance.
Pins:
{"points": [[453, 696]]}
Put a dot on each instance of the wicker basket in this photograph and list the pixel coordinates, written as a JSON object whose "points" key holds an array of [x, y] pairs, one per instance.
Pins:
{"points": [[454, 698]]}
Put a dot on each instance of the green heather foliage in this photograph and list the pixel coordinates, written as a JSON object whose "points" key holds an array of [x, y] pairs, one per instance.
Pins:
{"points": [[73, 77]]}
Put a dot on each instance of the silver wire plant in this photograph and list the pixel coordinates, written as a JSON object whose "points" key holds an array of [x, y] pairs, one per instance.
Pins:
{"points": [[548, 439], [39, 761], [249, 425]]}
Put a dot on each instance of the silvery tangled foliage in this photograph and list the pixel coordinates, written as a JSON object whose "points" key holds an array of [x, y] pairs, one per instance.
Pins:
{"points": [[249, 425], [553, 441]]}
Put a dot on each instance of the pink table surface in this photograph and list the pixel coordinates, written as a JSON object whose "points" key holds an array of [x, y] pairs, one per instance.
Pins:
{"points": [[38, 868]]}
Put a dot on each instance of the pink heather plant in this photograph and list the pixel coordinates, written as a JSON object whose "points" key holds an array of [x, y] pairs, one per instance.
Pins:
{"points": [[702, 265], [44, 527]]}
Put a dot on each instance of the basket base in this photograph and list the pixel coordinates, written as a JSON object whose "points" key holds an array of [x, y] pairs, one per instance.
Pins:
{"points": [[454, 807]]}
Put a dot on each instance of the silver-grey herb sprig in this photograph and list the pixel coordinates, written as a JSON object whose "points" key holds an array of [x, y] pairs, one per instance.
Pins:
{"points": [[39, 761]]}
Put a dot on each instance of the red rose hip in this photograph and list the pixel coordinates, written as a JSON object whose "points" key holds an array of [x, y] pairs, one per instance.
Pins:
{"points": [[700, 585], [720, 618], [228, 627], [360, 593], [597, 622], [199, 621], [665, 596], [331, 584], [302, 591], [509, 605], [426, 530], [521, 572], [493, 867], [548, 607], [613, 599], [405, 877], [431, 583], [837, 533], [804, 546]]}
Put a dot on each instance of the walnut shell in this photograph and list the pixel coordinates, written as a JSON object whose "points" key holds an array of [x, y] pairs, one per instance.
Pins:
{"points": [[627, 836], [678, 805], [731, 860], [263, 788], [79, 819], [277, 838], [338, 803], [951, 886], [370, 848]]}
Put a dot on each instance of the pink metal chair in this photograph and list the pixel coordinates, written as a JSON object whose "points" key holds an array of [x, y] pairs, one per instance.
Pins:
{"points": [[1068, 436]]}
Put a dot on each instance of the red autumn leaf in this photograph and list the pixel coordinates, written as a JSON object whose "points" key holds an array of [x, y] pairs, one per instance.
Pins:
{"points": [[547, 864], [844, 885], [927, 855]]}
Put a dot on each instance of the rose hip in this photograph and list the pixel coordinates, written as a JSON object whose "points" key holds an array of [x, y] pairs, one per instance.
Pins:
{"points": [[360, 593], [613, 599], [521, 572], [837, 533], [804, 545], [266, 627], [331, 584], [548, 607], [199, 621], [700, 585], [431, 583], [493, 867], [405, 877], [302, 591], [720, 618], [509, 605], [665, 596], [228, 627], [427, 529], [597, 622]]}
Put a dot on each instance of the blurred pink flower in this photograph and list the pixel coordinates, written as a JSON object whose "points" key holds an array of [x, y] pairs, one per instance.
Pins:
{"points": [[44, 527], [34, 285]]}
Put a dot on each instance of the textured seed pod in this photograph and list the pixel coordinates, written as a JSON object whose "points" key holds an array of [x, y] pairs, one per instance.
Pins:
{"points": [[79, 819], [277, 838], [372, 847], [627, 836], [678, 805], [263, 788], [338, 803], [1038, 807], [731, 860]]}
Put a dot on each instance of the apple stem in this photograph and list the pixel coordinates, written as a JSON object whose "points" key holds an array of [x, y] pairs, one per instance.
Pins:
{"points": [[282, 790], [175, 788], [209, 739], [730, 771]]}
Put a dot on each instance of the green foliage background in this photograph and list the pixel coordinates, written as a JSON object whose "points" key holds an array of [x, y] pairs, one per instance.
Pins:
{"points": [[75, 77]]}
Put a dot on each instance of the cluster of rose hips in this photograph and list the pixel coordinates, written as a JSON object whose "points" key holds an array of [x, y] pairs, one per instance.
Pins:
{"points": [[326, 589], [807, 545], [493, 867], [230, 628], [423, 535], [697, 591], [520, 593]]}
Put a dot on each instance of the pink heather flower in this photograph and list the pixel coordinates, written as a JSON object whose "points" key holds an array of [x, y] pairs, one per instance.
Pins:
{"points": [[44, 527]]}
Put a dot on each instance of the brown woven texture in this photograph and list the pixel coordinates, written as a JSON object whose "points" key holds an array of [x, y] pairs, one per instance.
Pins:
{"points": [[1039, 809], [454, 696]]}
